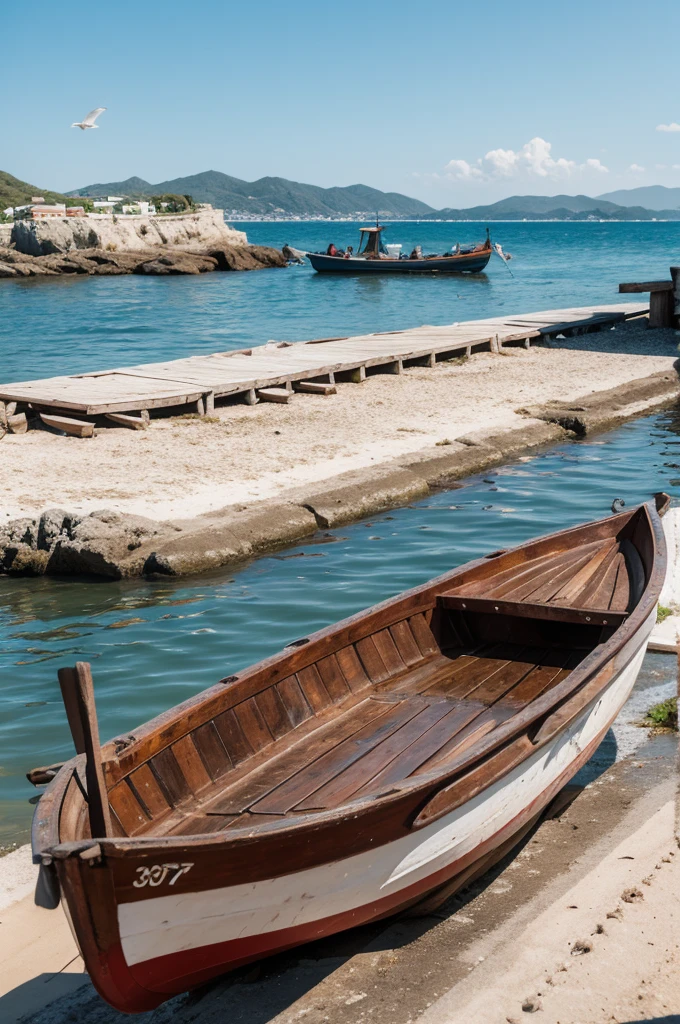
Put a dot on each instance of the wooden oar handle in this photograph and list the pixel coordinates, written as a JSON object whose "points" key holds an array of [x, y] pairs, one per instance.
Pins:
{"points": [[77, 691]]}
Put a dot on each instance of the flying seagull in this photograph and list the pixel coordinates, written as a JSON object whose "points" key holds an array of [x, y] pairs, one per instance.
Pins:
{"points": [[89, 121]]}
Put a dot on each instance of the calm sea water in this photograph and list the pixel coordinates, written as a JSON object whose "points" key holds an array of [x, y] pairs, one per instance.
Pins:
{"points": [[74, 324], [152, 644]]}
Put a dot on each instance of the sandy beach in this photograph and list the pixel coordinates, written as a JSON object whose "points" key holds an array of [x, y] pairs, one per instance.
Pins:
{"points": [[184, 467]]}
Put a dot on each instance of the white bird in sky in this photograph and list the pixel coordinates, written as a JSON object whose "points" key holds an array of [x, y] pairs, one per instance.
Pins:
{"points": [[89, 121]]}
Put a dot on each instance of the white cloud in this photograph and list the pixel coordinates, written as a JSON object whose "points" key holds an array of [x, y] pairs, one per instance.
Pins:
{"points": [[462, 170], [502, 162], [533, 159], [636, 169], [672, 127]]}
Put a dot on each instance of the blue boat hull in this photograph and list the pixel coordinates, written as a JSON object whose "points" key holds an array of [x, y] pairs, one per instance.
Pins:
{"points": [[465, 263]]}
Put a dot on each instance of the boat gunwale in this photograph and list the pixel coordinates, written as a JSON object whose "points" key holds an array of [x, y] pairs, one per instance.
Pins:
{"points": [[46, 842]]}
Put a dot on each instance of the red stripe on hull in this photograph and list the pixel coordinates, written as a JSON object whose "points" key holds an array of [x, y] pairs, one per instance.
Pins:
{"points": [[164, 976]]}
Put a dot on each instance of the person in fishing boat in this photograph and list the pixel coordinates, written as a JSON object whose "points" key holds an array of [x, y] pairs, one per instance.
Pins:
{"points": [[291, 256], [416, 253], [349, 251], [332, 251]]}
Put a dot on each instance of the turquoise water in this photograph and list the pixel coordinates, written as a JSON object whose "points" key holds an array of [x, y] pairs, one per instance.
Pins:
{"points": [[154, 643], [75, 324]]}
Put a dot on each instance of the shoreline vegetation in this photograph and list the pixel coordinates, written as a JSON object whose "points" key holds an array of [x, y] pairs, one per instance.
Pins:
{"points": [[663, 716]]}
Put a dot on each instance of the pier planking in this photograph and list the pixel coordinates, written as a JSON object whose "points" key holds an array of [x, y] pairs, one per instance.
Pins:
{"points": [[198, 380]]}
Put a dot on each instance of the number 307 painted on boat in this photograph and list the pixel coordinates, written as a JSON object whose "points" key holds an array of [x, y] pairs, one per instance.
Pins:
{"points": [[157, 874]]}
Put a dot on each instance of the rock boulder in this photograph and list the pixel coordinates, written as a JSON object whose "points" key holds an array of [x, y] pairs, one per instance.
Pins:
{"points": [[101, 544], [177, 263], [246, 257]]}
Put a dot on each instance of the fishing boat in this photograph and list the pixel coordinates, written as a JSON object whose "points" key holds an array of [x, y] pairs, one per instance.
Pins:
{"points": [[373, 257], [385, 760]]}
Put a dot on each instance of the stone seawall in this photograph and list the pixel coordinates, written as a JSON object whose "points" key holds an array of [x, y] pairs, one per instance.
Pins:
{"points": [[191, 232]]}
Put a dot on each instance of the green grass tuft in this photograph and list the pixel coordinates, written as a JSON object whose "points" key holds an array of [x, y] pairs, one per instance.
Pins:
{"points": [[664, 715], [662, 613]]}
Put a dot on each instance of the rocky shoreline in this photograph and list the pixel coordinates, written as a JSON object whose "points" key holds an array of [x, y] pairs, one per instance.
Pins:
{"points": [[112, 545], [154, 262]]}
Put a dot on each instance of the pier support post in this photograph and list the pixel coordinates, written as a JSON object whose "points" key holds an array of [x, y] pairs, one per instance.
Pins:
{"points": [[428, 360], [209, 399], [355, 376], [250, 397]]}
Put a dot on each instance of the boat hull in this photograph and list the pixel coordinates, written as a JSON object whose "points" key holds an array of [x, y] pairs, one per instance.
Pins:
{"points": [[163, 941], [468, 263]]}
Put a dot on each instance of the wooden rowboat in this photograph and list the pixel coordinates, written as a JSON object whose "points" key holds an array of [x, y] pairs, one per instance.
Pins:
{"points": [[391, 756]]}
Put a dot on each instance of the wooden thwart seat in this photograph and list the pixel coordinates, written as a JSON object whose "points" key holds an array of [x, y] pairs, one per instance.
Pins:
{"points": [[529, 610]]}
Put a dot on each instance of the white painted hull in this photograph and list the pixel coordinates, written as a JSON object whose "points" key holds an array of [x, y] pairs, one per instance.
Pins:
{"points": [[170, 936]]}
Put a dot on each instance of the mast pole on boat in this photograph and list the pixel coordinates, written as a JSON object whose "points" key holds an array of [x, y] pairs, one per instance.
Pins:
{"points": [[77, 691]]}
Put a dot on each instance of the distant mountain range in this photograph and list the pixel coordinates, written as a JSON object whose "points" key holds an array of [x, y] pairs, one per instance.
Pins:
{"points": [[278, 199], [269, 197], [556, 208], [653, 197]]}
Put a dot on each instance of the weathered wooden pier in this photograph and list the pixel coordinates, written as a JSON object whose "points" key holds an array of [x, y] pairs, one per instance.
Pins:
{"points": [[273, 371]]}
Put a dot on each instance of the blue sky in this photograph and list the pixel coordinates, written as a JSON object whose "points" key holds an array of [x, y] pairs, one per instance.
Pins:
{"points": [[456, 103]]}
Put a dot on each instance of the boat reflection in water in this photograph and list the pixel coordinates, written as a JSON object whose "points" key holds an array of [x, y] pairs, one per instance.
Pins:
{"points": [[374, 257]]}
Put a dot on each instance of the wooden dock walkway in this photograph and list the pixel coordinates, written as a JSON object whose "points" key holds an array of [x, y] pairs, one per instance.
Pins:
{"points": [[198, 381]]}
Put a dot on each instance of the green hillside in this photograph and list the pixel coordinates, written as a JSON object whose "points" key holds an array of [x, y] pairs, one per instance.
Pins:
{"points": [[14, 192]]}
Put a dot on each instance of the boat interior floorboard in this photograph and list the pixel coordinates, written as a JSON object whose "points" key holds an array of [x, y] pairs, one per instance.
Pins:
{"points": [[425, 716]]}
